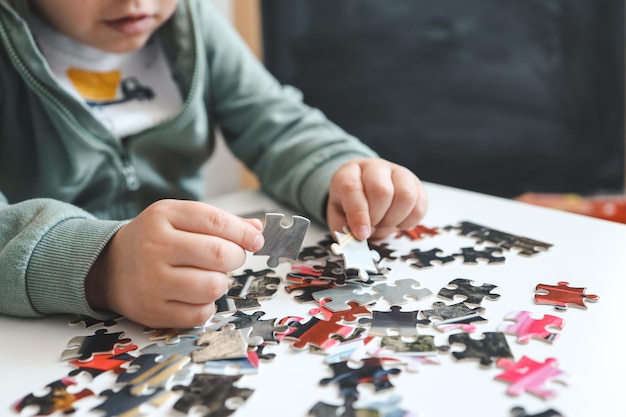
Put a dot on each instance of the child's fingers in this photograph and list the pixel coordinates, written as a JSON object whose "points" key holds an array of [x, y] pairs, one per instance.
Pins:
{"points": [[205, 252], [348, 196], [379, 190], [194, 286], [176, 314], [196, 217]]}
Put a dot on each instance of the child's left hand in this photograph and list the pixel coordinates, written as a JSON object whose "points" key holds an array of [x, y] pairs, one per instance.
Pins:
{"points": [[374, 198]]}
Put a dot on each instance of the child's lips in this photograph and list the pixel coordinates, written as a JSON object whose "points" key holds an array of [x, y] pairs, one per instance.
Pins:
{"points": [[131, 25]]}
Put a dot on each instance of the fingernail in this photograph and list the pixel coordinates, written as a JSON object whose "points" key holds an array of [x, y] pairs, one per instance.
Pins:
{"points": [[362, 232], [258, 243]]}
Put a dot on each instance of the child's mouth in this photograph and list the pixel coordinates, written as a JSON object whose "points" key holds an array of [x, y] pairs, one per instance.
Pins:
{"points": [[131, 25]]}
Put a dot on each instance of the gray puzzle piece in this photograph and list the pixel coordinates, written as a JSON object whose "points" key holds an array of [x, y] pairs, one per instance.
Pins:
{"points": [[402, 289], [281, 241], [340, 297]]}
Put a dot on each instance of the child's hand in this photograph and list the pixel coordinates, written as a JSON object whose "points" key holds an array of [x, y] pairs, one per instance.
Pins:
{"points": [[167, 267], [374, 198]]}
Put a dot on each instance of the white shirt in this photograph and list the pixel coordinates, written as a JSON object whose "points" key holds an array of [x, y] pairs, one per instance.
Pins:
{"points": [[127, 92]]}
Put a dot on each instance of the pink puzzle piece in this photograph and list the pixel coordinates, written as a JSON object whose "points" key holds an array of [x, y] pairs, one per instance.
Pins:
{"points": [[562, 295], [529, 375], [527, 327]]}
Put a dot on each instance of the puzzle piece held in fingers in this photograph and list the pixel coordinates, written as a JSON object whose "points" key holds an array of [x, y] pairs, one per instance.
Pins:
{"points": [[282, 241]]}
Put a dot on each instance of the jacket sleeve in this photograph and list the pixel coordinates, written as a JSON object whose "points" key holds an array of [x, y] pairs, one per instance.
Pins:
{"points": [[46, 250], [292, 148]]}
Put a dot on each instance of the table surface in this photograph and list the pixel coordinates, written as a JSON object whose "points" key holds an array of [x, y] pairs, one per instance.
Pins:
{"points": [[586, 252]]}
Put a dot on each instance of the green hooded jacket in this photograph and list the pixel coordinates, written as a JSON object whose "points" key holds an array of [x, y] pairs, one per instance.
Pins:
{"points": [[67, 184]]}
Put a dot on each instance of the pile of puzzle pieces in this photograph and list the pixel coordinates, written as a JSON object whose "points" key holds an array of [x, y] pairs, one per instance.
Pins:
{"points": [[356, 317]]}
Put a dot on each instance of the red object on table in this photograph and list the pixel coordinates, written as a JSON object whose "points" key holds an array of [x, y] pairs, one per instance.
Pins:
{"points": [[610, 207]]}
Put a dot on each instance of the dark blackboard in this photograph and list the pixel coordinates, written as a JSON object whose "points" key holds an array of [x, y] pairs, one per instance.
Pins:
{"points": [[498, 96]]}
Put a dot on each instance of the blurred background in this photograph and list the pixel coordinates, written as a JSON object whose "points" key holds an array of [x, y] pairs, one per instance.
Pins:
{"points": [[515, 98]]}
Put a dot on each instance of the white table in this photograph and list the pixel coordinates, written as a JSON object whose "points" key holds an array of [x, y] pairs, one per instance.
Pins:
{"points": [[586, 252]]}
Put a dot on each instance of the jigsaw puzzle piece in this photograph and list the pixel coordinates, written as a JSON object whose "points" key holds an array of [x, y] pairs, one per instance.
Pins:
{"points": [[104, 362], [505, 240], [227, 343], [124, 403], [471, 255], [282, 241], [183, 348], [84, 347], [302, 289], [425, 259], [225, 304], [56, 399], [384, 322], [418, 232], [527, 327], [214, 395], [562, 295], [472, 294], [348, 316], [521, 412], [261, 284], [171, 335], [531, 376], [356, 254], [266, 329], [420, 345], [146, 373], [348, 377], [401, 290], [490, 345], [318, 333], [89, 322], [450, 317], [340, 297]]}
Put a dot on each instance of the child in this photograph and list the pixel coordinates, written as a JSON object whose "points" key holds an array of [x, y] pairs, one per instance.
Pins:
{"points": [[106, 114]]}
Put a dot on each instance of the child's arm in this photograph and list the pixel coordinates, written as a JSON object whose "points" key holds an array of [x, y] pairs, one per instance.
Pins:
{"points": [[167, 267], [46, 250]]}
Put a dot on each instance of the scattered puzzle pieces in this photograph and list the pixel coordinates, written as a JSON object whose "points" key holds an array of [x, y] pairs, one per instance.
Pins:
{"points": [[562, 295], [505, 240], [282, 241]]}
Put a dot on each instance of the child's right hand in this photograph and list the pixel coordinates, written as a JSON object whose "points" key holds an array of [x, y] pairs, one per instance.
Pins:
{"points": [[167, 267]]}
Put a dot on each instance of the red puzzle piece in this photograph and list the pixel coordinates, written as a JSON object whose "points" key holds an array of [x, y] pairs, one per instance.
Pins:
{"points": [[318, 333], [562, 295]]}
